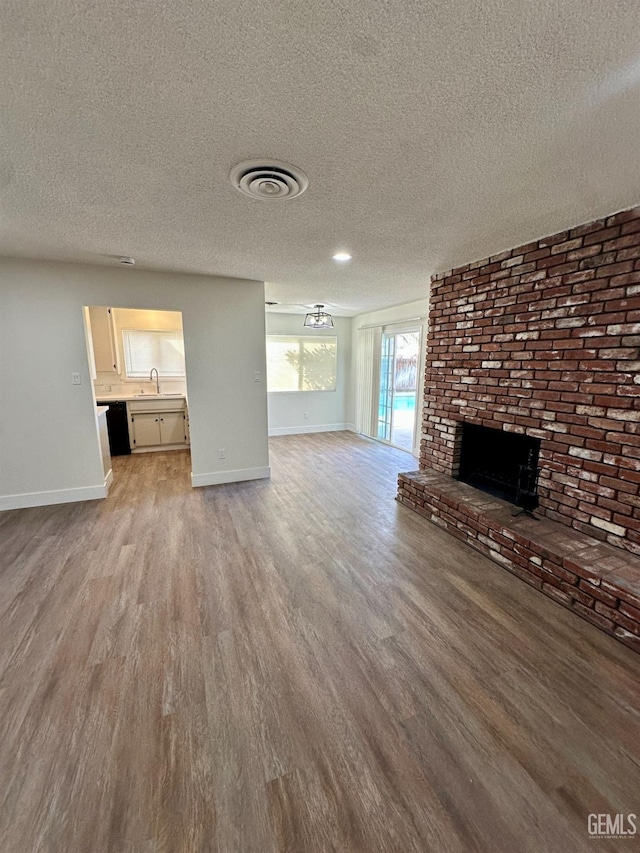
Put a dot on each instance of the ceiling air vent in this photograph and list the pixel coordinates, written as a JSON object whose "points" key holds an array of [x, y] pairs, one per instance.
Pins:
{"points": [[269, 179]]}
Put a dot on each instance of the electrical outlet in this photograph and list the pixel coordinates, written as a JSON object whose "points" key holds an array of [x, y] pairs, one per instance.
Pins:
{"points": [[306, 416], [75, 379], [222, 453], [257, 376]]}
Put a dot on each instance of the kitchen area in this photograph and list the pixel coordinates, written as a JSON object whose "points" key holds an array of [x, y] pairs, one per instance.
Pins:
{"points": [[138, 371]]}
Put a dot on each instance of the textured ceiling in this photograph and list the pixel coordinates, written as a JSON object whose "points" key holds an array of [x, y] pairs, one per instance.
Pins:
{"points": [[433, 133]]}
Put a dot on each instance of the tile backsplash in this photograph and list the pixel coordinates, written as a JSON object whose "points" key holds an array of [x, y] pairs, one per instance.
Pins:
{"points": [[110, 383]]}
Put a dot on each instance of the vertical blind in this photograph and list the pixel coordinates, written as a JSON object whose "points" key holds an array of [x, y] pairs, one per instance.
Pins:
{"points": [[368, 380]]}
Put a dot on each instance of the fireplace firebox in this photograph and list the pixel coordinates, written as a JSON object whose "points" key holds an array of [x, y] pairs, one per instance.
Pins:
{"points": [[504, 464]]}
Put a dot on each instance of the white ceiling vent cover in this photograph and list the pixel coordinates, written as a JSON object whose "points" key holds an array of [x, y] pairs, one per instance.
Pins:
{"points": [[269, 179]]}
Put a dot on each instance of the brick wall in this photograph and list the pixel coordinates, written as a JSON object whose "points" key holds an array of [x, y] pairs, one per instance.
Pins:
{"points": [[545, 340]]}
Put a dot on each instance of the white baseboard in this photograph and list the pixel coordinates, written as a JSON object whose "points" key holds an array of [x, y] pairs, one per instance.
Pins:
{"points": [[156, 448], [352, 428], [295, 430], [217, 478], [58, 496], [108, 480]]}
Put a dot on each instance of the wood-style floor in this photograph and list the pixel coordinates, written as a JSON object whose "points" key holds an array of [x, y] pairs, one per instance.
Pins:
{"points": [[299, 665]]}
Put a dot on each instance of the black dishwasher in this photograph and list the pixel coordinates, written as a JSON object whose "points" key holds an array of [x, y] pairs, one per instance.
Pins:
{"points": [[117, 426]]}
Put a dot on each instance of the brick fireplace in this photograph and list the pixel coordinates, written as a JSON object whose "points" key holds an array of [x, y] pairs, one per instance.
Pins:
{"points": [[544, 341]]}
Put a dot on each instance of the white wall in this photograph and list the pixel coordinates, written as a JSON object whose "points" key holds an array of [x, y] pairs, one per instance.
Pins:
{"points": [[49, 447], [326, 409], [398, 314]]}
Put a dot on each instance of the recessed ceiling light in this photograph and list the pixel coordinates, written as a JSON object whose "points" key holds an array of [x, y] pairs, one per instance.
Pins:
{"points": [[342, 256]]}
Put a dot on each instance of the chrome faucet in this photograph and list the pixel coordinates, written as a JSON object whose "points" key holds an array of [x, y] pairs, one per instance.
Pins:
{"points": [[151, 372]]}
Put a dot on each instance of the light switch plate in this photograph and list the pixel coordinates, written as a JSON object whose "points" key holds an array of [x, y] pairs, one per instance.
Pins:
{"points": [[75, 379]]}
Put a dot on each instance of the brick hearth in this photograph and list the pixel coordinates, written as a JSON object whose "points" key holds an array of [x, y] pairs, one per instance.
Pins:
{"points": [[544, 340], [598, 582]]}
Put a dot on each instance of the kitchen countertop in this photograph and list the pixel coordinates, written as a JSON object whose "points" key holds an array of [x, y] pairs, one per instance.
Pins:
{"points": [[102, 410], [129, 398]]}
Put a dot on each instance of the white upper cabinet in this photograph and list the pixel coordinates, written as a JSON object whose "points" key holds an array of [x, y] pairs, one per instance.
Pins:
{"points": [[104, 344]]}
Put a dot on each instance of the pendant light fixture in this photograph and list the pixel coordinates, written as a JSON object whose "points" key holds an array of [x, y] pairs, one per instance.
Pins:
{"points": [[318, 319]]}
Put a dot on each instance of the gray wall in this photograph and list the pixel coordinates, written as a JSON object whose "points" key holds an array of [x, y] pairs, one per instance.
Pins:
{"points": [[48, 434], [326, 409]]}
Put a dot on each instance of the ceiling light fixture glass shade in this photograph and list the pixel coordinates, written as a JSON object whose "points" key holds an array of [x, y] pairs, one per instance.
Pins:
{"points": [[318, 319]]}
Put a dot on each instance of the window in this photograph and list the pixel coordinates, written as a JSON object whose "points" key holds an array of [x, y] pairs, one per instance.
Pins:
{"points": [[144, 349], [301, 363]]}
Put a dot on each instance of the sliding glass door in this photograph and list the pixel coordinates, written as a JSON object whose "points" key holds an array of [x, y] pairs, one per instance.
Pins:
{"points": [[399, 373]]}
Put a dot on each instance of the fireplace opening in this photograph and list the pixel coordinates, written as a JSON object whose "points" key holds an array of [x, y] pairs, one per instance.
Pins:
{"points": [[505, 464]]}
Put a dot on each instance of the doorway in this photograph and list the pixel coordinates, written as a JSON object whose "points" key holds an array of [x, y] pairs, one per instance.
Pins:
{"points": [[138, 371], [399, 359]]}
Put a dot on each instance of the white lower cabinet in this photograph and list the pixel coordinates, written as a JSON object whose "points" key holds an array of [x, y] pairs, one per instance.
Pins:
{"points": [[157, 423], [146, 430], [173, 428]]}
